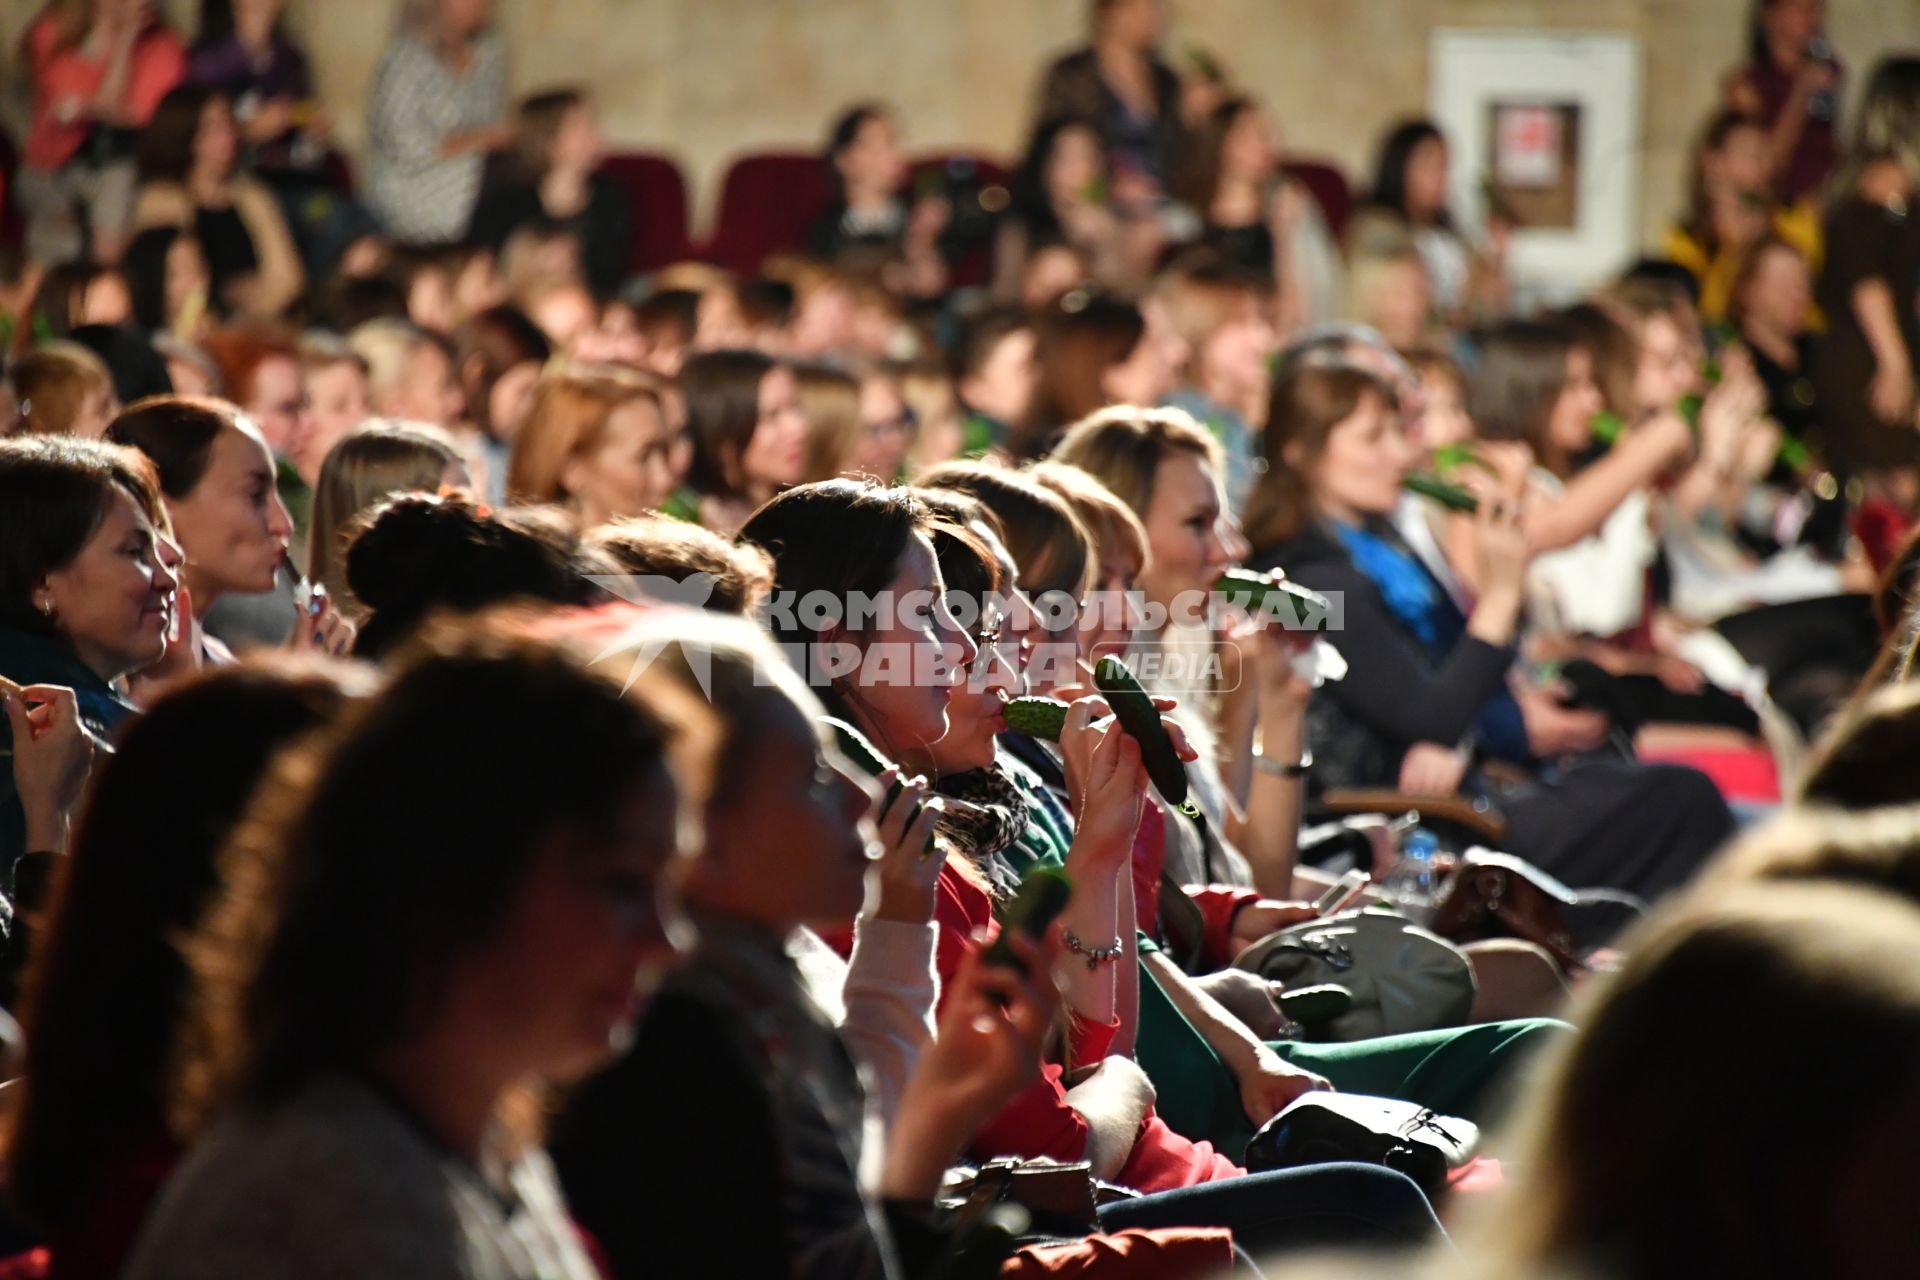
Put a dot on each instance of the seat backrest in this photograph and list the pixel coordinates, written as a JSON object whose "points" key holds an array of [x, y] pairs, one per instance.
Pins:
{"points": [[657, 191], [767, 203], [1329, 187], [975, 265]]}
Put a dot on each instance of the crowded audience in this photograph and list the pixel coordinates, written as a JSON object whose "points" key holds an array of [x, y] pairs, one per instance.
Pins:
{"points": [[1106, 714]]}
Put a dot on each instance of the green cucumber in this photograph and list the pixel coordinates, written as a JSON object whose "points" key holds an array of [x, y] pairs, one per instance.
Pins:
{"points": [[1449, 458], [1450, 496], [1037, 717], [1139, 717], [1254, 592], [1607, 427], [1033, 910]]}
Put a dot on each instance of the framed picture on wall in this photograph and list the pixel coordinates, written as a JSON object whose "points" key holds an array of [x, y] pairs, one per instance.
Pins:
{"points": [[1544, 128]]}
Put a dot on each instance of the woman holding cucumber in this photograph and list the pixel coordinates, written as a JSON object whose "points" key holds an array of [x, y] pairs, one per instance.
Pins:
{"points": [[1424, 674], [735, 1056], [1166, 466], [839, 538]]}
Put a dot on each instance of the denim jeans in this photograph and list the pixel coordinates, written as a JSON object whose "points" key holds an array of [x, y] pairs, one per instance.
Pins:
{"points": [[1289, 1210]]}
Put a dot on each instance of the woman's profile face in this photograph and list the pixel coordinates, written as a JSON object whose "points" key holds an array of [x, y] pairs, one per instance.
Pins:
{"points": [[1779, 291], [232, 525], [788, 835], [776, 453], [1151, 370], [630, 473], [592, 929], [1246, 149], [1184, 546], [185, 276], [1570, 426], [217, 142], [1426, 179], [1075, 163], [510, 400], [113, 600], [1359, 472], [1666, 369], [911, 661]]}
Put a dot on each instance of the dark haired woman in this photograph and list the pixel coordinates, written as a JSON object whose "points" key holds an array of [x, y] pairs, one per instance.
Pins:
{"points": [[218, 479], [1096, 349], [189, 179], [871, 229], [498, 355], [356, 1082], [1408, 208], [246, 54], [1060, 197], [169, 283], [87, 581], [1425, 673], [557, 185], [90, 1146], [1791, 85], [1866, 367], [416, 554], [749, 436], [1259, 219]]}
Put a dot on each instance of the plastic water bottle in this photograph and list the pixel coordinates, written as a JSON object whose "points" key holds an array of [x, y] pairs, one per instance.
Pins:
{"points": [[1410, 884]]}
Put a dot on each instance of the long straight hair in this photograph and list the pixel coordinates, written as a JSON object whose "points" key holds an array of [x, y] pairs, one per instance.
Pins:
{"points": [[1309, 400]]}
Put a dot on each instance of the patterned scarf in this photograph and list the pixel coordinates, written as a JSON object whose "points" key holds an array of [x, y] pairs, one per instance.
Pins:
{"points": [[991, 820]]}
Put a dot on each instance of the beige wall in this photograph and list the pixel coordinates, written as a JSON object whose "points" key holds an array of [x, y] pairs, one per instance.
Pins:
{"points": [[706, 79]]}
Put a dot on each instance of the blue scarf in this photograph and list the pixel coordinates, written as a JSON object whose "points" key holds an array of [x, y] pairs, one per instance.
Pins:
{"points": [[1409, 590]]}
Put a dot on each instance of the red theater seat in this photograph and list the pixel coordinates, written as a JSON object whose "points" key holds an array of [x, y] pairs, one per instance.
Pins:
{"points": [[1329, 187], [657, 190], [767, 202]]}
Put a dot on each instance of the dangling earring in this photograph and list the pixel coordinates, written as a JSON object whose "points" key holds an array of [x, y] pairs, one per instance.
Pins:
{"points": [[47, 610]]}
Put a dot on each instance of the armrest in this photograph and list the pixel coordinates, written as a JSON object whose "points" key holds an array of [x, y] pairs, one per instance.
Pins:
{"points": [[1477, 819]]}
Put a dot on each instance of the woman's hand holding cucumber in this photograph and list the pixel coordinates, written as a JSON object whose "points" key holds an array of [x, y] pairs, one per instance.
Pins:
{"points": [[906, 872], [1108, 784]]}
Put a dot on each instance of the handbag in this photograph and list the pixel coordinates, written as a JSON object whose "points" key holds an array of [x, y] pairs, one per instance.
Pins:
{"points": [[1061, 1198], [1402, 977], [1495, 895], [1318, 1128]]}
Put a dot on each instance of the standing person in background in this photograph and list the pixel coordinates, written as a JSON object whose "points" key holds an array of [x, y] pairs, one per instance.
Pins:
{"points": [[557, 184], [1791, 85], [1120, 84], [1865, 370], [1408, 207], [438, 110], [98, 68]]}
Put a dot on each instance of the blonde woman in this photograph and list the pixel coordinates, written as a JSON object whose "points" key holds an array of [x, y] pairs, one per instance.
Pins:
{"points": [[380, 458]]}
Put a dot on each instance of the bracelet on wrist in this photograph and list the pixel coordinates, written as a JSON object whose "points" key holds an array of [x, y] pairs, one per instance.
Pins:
{"points": [[1283, 768], [1096, 956]]}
